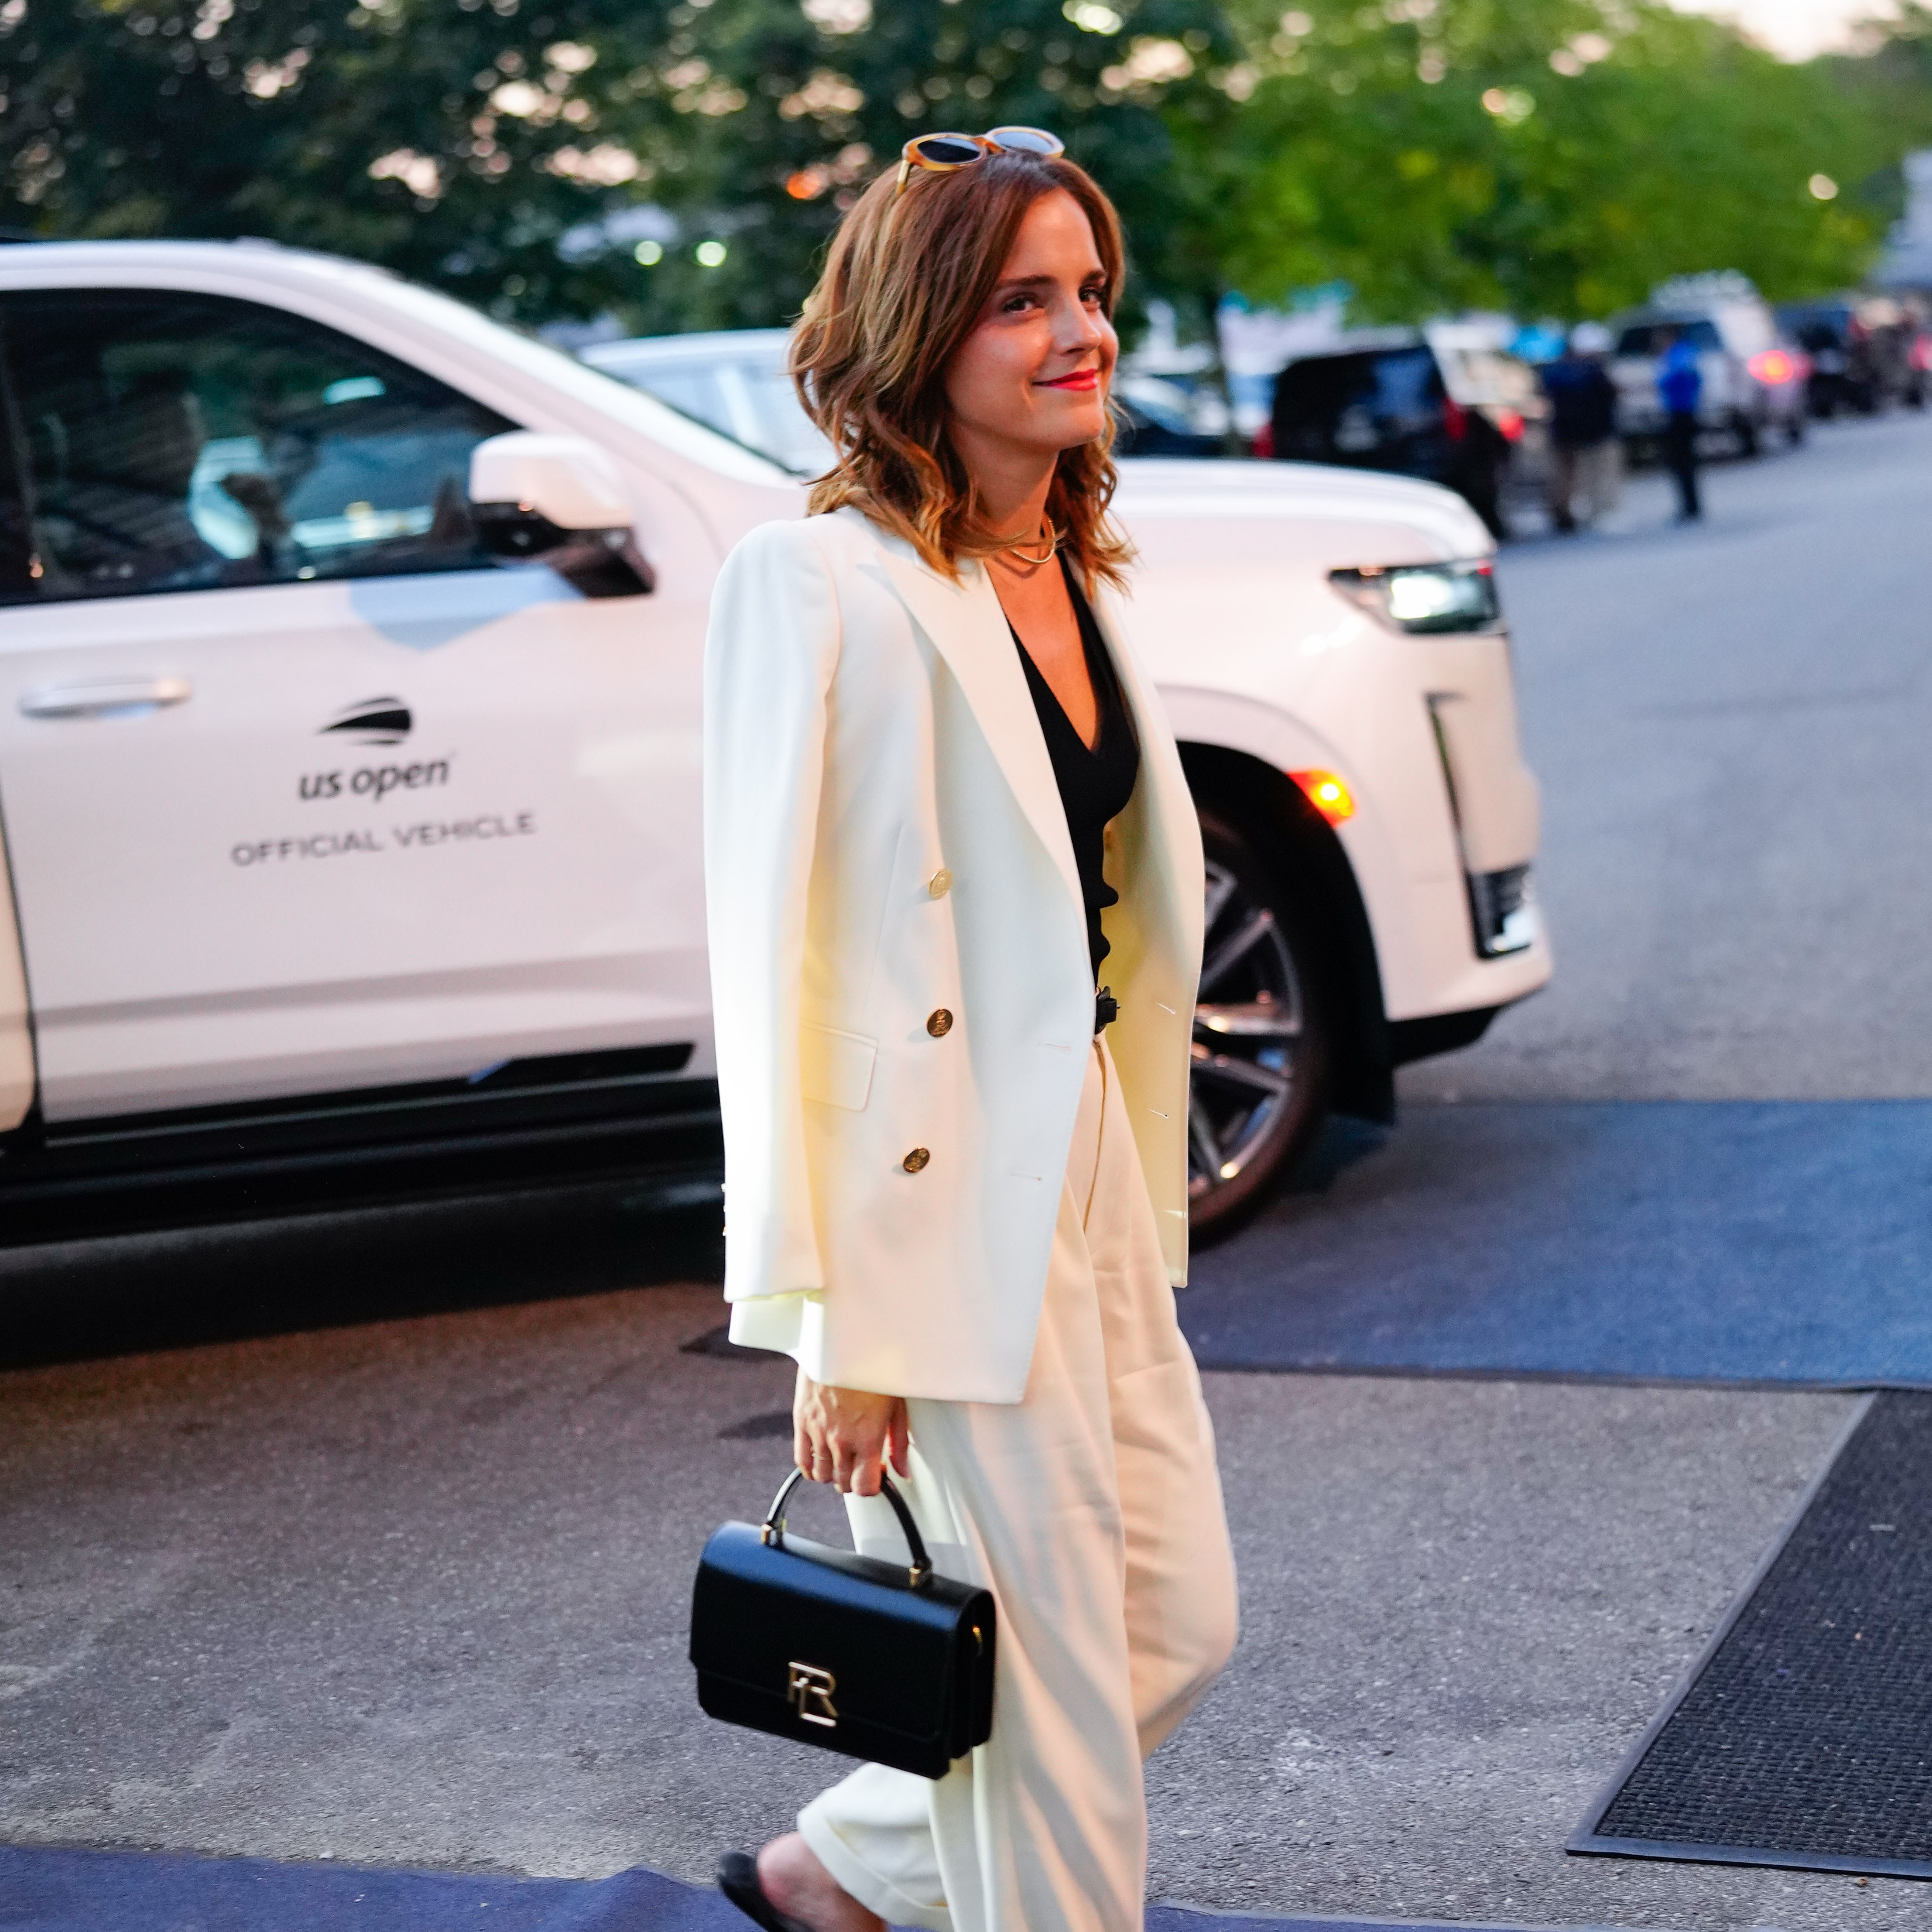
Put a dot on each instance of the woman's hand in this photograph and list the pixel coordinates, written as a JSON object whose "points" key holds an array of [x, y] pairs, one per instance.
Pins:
{"points": [[844, 1436]]}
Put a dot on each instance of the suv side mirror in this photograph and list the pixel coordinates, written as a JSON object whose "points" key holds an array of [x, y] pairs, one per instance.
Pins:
{"points": [[557, 500]]}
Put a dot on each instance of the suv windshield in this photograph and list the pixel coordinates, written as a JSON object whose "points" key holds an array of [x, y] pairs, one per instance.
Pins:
{"points": [[1646, 338], [742, 391]]}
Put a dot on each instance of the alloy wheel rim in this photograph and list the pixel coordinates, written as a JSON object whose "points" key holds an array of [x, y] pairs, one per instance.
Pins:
{"points": [[1249, 1028]]}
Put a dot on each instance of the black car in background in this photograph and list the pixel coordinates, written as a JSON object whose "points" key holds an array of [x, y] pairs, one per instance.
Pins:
{"points": [[1451, 415], [1864, 352], [1156, 417]]}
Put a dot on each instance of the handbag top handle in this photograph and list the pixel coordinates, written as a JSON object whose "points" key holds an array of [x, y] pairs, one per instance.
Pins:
{"points": [[773, 1532]]}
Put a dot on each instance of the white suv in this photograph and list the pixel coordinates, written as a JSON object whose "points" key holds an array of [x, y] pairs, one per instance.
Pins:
{"points": [[1754, 380], [349, 679]]}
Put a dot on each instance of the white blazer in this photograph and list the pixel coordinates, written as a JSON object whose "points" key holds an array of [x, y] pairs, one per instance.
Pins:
{"points": [[885, 846]]}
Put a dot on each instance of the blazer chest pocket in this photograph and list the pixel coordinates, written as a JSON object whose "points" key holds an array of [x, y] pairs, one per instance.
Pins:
{"points": [[836, 1068]]}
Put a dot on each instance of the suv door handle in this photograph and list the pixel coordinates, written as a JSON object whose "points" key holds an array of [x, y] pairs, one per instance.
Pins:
{"points": [[107, 698]]}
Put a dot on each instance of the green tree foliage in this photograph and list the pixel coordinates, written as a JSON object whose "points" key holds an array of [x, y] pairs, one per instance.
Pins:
{"points": [[1889, 83], [461, 141], [1891, 76], [1553, 156], [807, 102], [1549, 156], [368, 131]]}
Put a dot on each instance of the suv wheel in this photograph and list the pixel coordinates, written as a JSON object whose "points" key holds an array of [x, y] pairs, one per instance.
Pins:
{"points": [[1261, 1049]]}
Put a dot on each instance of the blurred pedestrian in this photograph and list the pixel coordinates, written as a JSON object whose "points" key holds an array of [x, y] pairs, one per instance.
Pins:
{"points": [[1479, 462], [1680, 385], [925, 736], [1584, 452]]}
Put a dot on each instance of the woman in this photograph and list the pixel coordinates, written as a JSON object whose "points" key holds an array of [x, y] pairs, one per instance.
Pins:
{"points": [[957, 1194]]}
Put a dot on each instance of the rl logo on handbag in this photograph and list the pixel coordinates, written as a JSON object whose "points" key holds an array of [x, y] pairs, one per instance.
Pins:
{"points": [[913, 1651], [807, 1686]]}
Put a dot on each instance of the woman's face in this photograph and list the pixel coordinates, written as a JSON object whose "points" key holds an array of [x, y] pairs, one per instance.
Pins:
{"points": [[1033, 374]]}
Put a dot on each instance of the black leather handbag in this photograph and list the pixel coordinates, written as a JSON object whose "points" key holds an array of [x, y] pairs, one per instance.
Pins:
{"points": [[827, 1647]]}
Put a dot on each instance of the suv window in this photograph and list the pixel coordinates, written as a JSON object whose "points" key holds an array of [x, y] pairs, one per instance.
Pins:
{"points": [[690, 388], [1646, 338], [178, 441], [789, 436], [1356, 402], [1821, 327]]}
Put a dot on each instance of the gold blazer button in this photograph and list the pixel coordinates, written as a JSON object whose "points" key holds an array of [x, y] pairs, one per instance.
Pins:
{"points": [[939, 1023], [940, 884], [916, 1160]]}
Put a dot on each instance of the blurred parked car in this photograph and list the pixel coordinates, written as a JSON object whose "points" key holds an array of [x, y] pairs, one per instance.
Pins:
{"points": [[1753, 378], [1864, 353], [1441, 404], [349, 697], [1160, 417], [734, 380]]}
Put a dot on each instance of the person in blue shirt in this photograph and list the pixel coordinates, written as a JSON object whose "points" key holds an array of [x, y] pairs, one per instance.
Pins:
{"points": [[1679, 384]]}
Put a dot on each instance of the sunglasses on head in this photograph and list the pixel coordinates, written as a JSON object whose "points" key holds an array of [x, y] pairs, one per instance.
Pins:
{"points": [[945, 153]]}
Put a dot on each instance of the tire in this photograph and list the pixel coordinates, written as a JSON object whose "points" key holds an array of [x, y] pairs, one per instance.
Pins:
{"points": [[1744, 428], [1794, 428], [1263, 1051]]}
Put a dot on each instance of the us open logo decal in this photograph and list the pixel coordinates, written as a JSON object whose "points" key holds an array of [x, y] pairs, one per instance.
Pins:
{"points": [[376, 720], [380, 722]]}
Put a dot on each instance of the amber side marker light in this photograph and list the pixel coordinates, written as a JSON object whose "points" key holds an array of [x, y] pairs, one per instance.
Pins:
{"points": [[1327, 794]]}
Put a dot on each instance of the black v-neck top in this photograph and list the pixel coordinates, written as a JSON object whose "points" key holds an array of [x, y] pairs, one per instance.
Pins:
{"points": [[1095, 784]]}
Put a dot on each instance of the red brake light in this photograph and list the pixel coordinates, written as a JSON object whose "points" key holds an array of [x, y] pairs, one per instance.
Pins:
{"points": [[1455, 419], [1511, 424], [1772, 365]]}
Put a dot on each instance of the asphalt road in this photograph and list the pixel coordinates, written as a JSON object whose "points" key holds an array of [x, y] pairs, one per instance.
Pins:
{"points": [[1730, 724], [370, 1538], [417, 1593]]}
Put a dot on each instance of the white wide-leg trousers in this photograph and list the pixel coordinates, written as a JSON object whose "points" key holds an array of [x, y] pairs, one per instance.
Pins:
{"points": [[1092, 1510]]}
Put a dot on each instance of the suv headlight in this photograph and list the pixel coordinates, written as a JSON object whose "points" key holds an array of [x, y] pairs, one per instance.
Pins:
{"points": [[1459, 596]]}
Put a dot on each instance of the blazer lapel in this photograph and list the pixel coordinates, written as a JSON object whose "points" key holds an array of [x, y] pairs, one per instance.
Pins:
{"points": [[969, 630]]}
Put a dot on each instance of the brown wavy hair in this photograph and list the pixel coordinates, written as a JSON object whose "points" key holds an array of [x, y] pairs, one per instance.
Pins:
{"points": [[906, 281]]}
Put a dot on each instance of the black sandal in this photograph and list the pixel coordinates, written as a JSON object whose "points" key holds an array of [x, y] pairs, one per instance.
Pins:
{"points": [[738, 1880]]}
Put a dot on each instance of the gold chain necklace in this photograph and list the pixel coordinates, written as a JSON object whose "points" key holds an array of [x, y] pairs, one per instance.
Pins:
{"points": [[1051, 537]]}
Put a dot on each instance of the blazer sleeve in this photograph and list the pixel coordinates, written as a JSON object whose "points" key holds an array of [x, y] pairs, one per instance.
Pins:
{"points": [[768, 659]]}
